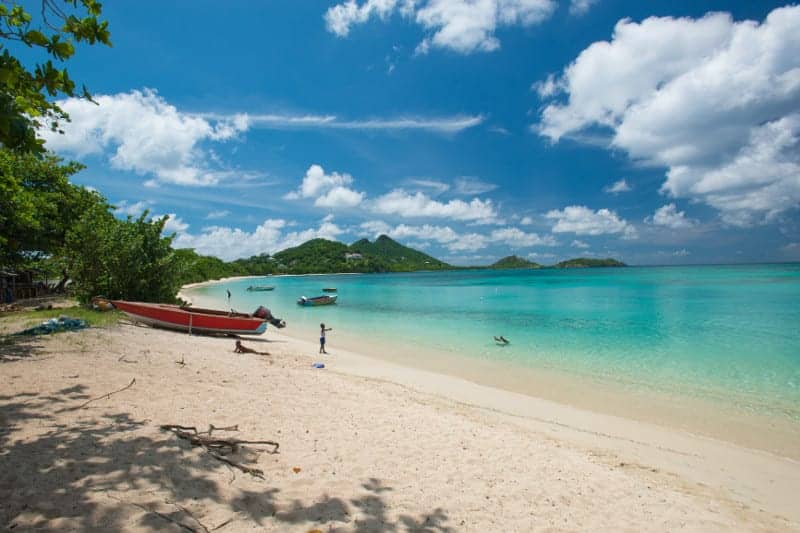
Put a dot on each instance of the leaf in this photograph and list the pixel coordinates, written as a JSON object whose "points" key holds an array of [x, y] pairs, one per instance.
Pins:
{"points": [[36, 37]]}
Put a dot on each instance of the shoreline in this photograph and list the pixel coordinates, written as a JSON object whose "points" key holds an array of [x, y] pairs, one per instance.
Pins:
{"points": [[709, 415], [442, 446]]}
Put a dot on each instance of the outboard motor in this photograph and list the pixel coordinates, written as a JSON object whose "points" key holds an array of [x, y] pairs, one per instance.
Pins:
{"points": [[265, 314]]}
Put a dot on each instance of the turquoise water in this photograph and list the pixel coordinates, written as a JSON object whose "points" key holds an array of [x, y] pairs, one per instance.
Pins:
{"points": [[730, 333]]}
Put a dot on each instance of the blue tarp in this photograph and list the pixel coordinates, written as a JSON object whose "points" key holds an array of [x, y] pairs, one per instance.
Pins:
{"points": [[54, 325]]}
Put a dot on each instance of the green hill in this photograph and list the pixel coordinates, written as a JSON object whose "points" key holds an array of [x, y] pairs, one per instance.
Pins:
{"points": [[513, 261], [585, 262], [395, 257]]}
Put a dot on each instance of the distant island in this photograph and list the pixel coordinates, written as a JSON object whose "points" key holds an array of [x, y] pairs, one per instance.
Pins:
{"points": [[513, 261], [585, 262], [321, 256]]}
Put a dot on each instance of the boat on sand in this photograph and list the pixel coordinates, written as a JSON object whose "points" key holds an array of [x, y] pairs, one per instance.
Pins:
{"points": [[191, 319], [317, 300]]}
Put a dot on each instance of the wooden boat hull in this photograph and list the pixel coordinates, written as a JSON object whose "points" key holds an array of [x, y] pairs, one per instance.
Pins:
{"points": [[260, 288], [329, 289], [316, 301], [192, 319]]}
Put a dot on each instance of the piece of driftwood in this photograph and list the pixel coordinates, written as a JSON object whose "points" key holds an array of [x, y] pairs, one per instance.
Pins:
{"points": [[108, 395], [217, 447]]}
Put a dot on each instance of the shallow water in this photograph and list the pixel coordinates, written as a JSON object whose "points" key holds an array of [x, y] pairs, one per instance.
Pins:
{"points": [[728, 334]]}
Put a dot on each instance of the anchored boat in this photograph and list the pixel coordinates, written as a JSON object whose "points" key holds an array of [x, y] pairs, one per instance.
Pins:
{"points": [[317, 300]]}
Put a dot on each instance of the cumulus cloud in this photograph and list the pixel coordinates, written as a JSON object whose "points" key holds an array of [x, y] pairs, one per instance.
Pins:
{"points": [[330, 190], [174, 224], [618, 187], [123, 208], [579, 244], [516, 238], [581, 220], [232, 243], [405, 204], [144, 134], [669, 216], [716, 102], [464, 26]]}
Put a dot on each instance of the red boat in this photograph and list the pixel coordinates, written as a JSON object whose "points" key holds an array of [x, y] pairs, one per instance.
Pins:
{"points": [[191, 319]]}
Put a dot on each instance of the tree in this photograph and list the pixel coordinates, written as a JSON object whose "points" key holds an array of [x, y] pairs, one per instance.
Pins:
{"points": [[38, 204], [24, 91], [125, 259]]}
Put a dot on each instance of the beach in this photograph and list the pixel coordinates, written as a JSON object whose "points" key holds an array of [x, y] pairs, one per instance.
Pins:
{"points": [[364, 445]]}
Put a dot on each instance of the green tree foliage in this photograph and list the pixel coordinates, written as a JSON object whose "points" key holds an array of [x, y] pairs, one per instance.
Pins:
{"points": [[26, 92], [124, 259], [38, 205]]}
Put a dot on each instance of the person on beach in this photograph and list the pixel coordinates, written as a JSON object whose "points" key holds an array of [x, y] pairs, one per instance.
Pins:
{"points": [[322, 330], [241, 348]]}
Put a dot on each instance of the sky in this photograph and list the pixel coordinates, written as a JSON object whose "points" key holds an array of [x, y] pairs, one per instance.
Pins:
{"points": [[652, 132]]}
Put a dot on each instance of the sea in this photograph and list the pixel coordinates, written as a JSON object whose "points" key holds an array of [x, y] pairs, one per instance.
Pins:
{"points": [[714, 349]]}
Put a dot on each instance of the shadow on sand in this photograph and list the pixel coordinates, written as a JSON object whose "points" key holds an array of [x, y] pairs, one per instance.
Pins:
{"points": [[108, 472]]}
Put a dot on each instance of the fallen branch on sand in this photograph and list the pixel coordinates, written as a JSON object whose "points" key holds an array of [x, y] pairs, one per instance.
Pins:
{"points": [[104, 396], [218, 448]]}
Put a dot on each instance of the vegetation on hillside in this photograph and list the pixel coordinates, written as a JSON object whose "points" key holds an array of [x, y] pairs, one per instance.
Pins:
{"points": [[513, 261], [585, 262]]}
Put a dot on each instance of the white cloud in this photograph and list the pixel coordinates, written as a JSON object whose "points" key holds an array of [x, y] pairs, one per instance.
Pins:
{"points": [[123, 208], [547, 87], [579, 244], [464, 26], [438, 186], [232, 243], [470, 185], [516, 238], [402, 203], [329, 189], [716, 102], [681, 253], [580, 7], [213, 215], [469, 242], [669, 216], [174, 224], [452, 124], [526, 221], [618, 187], [143, 134], [339, 197], [581, 220]]}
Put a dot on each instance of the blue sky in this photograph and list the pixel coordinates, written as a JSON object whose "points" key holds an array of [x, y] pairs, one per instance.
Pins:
{"points": [[653, 132]]}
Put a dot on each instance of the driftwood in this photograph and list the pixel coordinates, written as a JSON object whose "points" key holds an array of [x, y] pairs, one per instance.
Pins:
{"points": [[104, 396], [219, 448]]}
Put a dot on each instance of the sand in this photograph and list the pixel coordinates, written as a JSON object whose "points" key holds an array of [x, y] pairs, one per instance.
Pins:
{"points": [[365, 445]]}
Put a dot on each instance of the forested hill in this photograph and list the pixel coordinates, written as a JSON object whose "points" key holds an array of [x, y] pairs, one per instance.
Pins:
{"points": [[317, 256], [585, 262], [513, 261]]}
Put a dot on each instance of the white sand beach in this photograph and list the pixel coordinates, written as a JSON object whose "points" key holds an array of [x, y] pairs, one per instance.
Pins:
{"points": [[365, 445]]}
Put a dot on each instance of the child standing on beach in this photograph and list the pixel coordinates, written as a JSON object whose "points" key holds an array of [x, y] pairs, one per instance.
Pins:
{"points": [[322, 330]]}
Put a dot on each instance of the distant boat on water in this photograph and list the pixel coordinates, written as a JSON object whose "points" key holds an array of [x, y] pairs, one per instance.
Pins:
{"points": [[317, 300], [184, 318], [261, 288], [329, 289]]}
